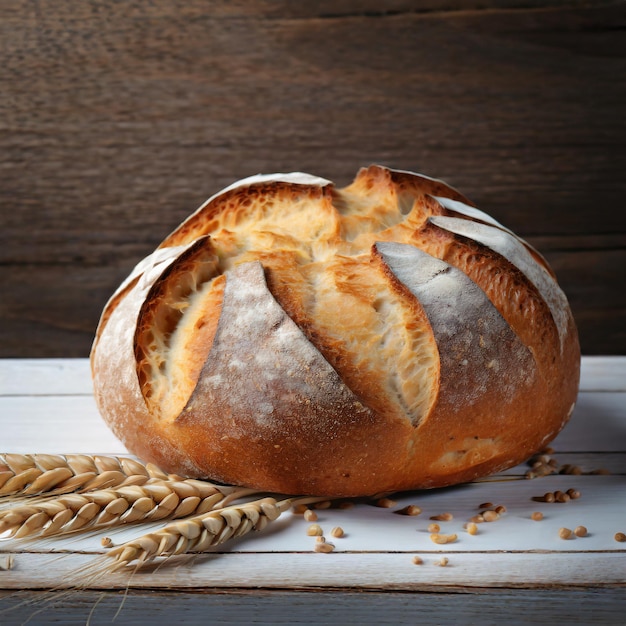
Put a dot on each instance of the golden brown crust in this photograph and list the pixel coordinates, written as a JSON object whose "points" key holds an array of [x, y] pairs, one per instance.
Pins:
{"points": [[295, 337]]}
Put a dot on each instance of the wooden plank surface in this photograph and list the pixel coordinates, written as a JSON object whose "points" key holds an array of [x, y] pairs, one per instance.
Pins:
{"points": [[374, 571], [511, 564], [374, 530], [268, 608], [117, 120], [53, 420]]}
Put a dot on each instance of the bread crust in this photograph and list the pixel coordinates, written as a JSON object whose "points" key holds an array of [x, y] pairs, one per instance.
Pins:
{"points": [[298, 338]]}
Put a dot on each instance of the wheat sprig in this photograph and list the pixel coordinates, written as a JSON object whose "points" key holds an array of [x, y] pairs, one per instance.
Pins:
{"points": [[199, 533], [51, 474], [154, 500]]}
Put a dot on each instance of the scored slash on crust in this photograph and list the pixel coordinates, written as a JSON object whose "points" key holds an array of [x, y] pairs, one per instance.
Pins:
{"points": [[300, 338]]}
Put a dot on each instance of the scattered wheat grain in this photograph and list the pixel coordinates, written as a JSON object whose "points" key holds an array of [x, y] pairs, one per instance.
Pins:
{"points": [[385, 503], [411, 510], [441, 539], [324, 504], [314, 530], [324, 547]]}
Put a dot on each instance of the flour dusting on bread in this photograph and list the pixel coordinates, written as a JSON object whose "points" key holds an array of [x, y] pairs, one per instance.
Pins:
{"points": [[298, 337]]}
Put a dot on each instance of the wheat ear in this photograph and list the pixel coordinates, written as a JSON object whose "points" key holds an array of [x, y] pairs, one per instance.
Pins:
{"points": [[198, 533], [51, 474], [154, 500]]}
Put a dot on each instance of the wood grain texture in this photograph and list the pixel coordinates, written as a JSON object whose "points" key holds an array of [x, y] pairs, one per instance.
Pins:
{"points": [[118, 119], [515, 569], [268, 608]]}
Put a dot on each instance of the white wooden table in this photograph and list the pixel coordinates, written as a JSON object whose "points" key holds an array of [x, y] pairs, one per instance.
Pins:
{"points": [[515, 570]]}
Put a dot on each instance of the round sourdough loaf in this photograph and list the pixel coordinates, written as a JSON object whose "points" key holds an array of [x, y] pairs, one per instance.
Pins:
{"points": [[299, 338]]}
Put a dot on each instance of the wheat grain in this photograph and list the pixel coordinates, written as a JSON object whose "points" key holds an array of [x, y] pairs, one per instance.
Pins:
{"points": [[154, 500], [36, 474], [199, 533]]}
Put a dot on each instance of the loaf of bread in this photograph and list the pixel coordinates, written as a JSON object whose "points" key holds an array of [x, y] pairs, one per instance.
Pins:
{"points": [[300, 338]]}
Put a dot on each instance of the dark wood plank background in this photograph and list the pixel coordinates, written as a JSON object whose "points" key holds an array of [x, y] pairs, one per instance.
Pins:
{"points": [[117, 119]]}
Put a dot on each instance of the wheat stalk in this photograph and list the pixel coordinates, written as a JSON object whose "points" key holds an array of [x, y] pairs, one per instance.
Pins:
{"points": [[154, 500], [87, 492], [36, 474], [198, 533]]}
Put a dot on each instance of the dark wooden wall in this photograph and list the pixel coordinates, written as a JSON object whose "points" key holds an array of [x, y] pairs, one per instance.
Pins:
{"points": [[119, 118]]}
